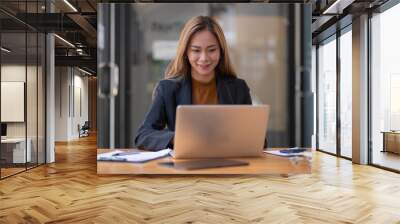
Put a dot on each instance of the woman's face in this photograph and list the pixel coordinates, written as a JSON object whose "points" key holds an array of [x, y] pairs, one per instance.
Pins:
{"points": [[203, 53]]}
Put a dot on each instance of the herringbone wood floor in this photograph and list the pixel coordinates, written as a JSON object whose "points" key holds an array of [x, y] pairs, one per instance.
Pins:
{"points": [[70, 191]]}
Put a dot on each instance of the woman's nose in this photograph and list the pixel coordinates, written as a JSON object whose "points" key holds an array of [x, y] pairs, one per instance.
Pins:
{"points": [[203, 56]]}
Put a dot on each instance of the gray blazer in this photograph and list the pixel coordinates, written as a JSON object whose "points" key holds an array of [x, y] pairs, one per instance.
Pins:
{"points": [[157, 130]]}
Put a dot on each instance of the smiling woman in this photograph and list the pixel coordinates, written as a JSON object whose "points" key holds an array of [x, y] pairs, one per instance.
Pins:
{"points": [[200, 73]]}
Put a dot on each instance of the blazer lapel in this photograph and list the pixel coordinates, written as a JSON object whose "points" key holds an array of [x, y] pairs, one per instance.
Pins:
{"points": [[185, 93], [224, 91]]}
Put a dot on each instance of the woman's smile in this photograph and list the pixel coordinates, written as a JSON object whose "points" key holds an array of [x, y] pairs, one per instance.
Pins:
{"points": [[204, 66]]}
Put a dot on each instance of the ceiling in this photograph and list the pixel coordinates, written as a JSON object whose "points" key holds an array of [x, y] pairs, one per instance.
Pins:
{"points": [[75, 21], [76, 29], [330, 15]]}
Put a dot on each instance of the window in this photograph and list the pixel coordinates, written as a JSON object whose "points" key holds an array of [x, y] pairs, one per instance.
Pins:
{"points": [[327, 96], [346, 93], [385, 88]]}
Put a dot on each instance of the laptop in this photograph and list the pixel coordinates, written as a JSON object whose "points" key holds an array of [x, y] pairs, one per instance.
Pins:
{"points": [[220, 131]]}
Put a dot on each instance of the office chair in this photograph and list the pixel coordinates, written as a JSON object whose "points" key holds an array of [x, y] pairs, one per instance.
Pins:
{"points": [[84, 130]]}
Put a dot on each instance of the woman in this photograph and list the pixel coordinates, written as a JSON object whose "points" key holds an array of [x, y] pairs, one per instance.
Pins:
{"points": [[201, 73]]}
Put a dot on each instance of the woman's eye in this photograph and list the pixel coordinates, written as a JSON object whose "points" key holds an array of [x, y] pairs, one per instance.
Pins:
{"points": [[195, 50], [212, 50]]}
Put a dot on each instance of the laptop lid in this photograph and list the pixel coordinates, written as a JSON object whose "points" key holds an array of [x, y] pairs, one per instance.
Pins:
{"points": [[220, 131]]}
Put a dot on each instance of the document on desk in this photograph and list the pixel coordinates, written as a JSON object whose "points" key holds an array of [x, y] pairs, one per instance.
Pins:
{"points": [[134, 156], [291, 152]]}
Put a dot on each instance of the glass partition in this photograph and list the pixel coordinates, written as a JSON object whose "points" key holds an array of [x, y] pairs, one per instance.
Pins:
{"points": [[22, 88], [14, 151]]}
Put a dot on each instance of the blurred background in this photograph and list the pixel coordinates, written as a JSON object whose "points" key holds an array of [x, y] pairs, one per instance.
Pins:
{"points": [[269, 44]]}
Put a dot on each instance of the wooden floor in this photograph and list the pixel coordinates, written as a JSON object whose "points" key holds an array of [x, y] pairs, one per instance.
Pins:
{"points": [[5, 172], [70, 191]]}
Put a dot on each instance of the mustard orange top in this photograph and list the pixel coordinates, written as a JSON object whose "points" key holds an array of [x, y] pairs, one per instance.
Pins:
{"points": [[204, 93]]}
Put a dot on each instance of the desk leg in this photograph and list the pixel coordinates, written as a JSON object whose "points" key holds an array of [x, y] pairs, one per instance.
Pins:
{"points": [[384, 143]]}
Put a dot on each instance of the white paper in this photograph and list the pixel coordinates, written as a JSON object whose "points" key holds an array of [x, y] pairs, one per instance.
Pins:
{"points": [[108, 155], [139, 157]]}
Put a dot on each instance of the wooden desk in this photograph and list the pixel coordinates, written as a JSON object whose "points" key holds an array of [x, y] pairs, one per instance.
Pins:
{"points": [[391, 141], [13, 150], [268, 164]]}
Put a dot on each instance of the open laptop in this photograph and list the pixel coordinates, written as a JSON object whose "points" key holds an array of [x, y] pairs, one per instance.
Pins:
{"points": [[220, 131]]}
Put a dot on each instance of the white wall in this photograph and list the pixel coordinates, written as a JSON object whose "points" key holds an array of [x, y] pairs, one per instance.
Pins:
{"points": [[79, 117], [61, 103], [71, 94]]}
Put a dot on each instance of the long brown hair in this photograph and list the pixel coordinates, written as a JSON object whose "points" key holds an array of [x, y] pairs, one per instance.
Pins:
{"points": [[180, 65]]}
